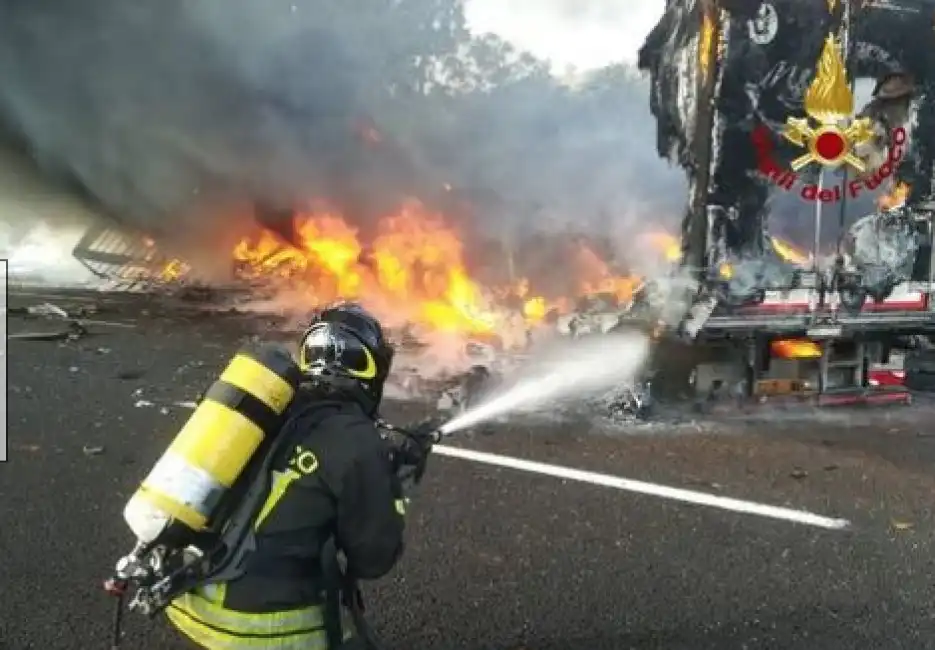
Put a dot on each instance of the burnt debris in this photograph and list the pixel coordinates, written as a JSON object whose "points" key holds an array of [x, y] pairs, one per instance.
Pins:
{"points": [[767, 54]]}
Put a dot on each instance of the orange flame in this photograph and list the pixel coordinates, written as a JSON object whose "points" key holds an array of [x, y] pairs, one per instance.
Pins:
{"points": [[413, 270], [784, 249], [413, 267], [595, 276], [795, 349], [895, 198], [670, 246], [173, 270]]}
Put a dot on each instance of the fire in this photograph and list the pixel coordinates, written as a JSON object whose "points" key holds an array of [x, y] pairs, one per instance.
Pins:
{"points": [[413, 267], [596, 276], [174, 270], [788, 252], [670, 246], [535, 309], [895, 198], [784, 249], [795, 349]]}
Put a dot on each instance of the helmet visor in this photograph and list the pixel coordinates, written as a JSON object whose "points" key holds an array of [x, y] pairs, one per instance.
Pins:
{"points": [[328, 346]]}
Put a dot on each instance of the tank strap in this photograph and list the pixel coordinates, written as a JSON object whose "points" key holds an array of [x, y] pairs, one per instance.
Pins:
{"points": [[331, 570], [242, 526], [238, 541]]}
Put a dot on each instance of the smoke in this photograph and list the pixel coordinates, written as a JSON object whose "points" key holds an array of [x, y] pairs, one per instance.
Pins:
{"points": [[162, 112], [155, 108], [39, 225]]}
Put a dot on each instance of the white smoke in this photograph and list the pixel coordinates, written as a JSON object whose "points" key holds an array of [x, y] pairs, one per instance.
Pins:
{"points": [[39, 226]]}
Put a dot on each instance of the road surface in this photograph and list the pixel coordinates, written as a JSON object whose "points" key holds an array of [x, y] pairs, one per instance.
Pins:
{"points": [[498, 558]]}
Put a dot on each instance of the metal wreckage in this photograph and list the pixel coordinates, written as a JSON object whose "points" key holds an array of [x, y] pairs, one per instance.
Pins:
{"points": [[745, 95], [754, 100]]}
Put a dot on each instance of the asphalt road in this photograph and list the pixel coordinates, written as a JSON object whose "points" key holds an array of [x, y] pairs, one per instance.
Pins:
{"points": [[497, 559]]}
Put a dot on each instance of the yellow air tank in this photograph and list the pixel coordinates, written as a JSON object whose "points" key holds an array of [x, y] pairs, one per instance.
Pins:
{"points": [[242, 408]]}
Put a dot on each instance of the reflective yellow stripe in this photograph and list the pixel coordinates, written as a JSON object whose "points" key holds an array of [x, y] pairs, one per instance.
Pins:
{"points": [[401, 506], [281, 481], [288, 622], [202, 617], [208, 636], [367, 373]]}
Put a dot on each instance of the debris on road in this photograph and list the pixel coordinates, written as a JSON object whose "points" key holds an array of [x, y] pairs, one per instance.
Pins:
{"points": [[129, 374], [78, 316], [74, 331], [47, 309]]}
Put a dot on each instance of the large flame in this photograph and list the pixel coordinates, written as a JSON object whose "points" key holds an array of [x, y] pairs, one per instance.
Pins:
{"points": [[411, 268]]}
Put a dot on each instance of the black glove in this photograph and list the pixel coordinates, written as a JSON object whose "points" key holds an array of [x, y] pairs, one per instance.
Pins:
{"points": [[416, 447]]}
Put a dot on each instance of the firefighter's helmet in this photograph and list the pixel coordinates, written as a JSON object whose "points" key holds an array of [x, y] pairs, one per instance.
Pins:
{"points": [[345, 345]]}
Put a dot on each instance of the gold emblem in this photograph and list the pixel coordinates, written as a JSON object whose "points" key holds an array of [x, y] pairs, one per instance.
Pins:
{"points": [[830, 103]]}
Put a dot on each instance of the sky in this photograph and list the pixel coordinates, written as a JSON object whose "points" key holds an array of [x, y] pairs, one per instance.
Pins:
{"points": [[579, 34]]}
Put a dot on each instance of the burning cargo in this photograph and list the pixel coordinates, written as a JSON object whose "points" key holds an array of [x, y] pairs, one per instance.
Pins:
{"points": [[721, 73]]}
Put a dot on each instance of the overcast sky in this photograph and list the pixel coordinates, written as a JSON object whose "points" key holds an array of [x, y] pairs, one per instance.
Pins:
{"points": [[584, 34]]}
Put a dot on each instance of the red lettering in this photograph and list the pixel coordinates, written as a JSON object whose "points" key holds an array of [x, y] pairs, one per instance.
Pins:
{"points": [[769, 168], [894, 154], [899, 136], [885, 170], [896, 151], [853, 188]]}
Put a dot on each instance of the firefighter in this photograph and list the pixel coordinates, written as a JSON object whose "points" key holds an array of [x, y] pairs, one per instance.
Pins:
{"points": [[336, 487]]}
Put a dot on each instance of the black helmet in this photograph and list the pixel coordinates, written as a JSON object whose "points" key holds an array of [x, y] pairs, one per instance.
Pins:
{"points": [[344, 346]]}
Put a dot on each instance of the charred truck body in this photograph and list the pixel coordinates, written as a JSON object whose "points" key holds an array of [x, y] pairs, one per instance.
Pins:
{"points": [[727, 76]]}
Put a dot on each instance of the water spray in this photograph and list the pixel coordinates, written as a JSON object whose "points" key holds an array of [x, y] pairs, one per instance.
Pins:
{"points": [[577, 369]]}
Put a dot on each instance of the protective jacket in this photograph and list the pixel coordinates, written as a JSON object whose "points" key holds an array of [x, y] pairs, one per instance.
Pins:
{"points": [[334, 481]]}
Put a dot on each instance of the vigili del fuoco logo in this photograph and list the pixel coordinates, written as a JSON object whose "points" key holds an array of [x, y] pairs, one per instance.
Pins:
{"points": [[829, 134]]}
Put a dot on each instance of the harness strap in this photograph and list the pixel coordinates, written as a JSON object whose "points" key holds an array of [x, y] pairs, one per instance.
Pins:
{"points": [[331, 570], [342, 590]]}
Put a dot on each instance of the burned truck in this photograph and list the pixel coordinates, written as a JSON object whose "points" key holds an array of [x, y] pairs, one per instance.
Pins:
{"points": [[736, 87]]}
